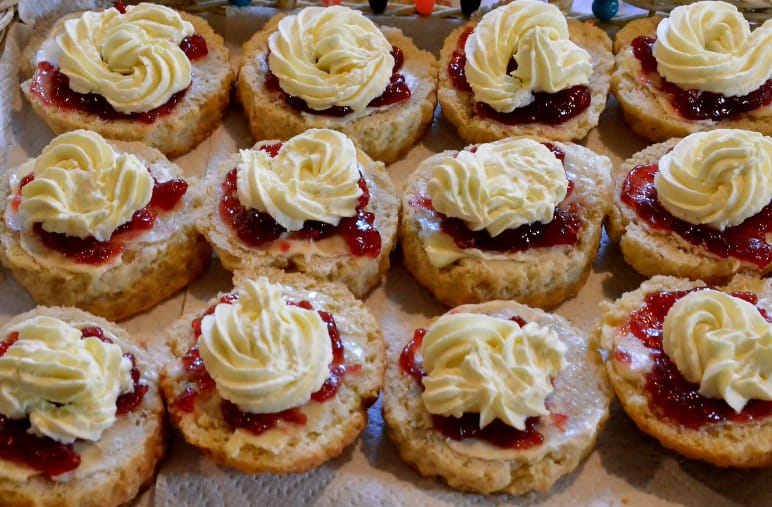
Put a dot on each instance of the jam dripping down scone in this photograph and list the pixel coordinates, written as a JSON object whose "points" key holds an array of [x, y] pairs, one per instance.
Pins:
{"points": [[314, 204], [512, 219], [108, 227], [523, 69], [690, 366], [137, 73], [331, 67], [699, 69], [496, 398], [698, 207], [81, 418], [275, 376]]}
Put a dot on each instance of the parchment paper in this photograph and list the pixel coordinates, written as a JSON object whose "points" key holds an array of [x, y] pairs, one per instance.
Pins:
{"points": [[626, 468]]}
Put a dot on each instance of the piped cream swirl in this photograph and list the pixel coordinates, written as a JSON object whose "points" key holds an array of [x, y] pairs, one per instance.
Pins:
{"points": [[314, 176], [719, 177], [536, 35], [723, 344], [709, 46], [265, 355], [502, 185], [83, 188], [491, 366], [66, 385], [133, 60], [331, 56]]}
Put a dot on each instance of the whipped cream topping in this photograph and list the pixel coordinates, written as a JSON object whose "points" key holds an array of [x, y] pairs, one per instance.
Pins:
{"points": [[723, 344], [331, 56], [265, 355], [536, 35], [709, 46], [718, 178], [66, 385], [82, 187], [502, 185], [489, 365], [133, 60]]}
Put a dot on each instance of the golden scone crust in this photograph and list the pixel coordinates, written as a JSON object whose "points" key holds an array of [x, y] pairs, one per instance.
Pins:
{"points": [[191, 121], [652, 252], [542, 277], [125, 458], [385, 133], [148, 272], [331, 425], [724, 444], [647, 111], [358, 273], [582, 394], [458, 106]]}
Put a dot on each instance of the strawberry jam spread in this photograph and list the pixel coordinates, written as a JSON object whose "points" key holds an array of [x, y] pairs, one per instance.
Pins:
{"points": [[549, 108], [396, 91], [746, 241], [200, 382], [256, 228], [45, 454], [695, 104], [166, 196], [670, 395], [497, 433]]}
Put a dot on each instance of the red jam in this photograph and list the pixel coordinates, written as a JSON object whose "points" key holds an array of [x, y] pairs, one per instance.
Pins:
{"points": [[89, 250], [548, 108], [200, 381], [695, 104], [120, 7], [497, 433], [746, 241], [256, 228], [670, 394], [396, 90], [194, 46], [45, 454]]}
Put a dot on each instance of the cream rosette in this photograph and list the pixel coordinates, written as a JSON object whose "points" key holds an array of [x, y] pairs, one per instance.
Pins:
{"points": [[723, 344], [314, 176], [709, 46], [133, 60], [718, 178], [66, 385], [265, 355], [536, 35], [331, 56], [491, 366], [82, 187]]}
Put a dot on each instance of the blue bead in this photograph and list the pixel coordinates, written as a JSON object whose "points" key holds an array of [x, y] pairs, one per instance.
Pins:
{"points": [[240, 3], [605, 9]]}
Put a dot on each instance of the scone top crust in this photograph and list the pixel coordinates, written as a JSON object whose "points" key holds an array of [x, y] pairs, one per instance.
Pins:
{"points": [[88, 387], [332, 210], [686, 50], [308, 422], [489, 101], [696, 207], [704, 339], [571, 414]]}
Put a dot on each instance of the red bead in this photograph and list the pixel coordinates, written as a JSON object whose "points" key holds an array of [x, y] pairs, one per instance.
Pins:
{"points": [[424, 6]]}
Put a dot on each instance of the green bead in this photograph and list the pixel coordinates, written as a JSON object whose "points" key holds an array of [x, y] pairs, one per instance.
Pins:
{"points": [[605, 9]]}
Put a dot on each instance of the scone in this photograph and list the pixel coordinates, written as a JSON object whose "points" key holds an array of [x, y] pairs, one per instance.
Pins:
{"points": [[698, 207], [81, 417], [331, 67], [141, 73], [108, 227], [686, 73], [690, 365], [314, 204], [524, 70], [496, 397], [513, 219], [275, 376]]}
